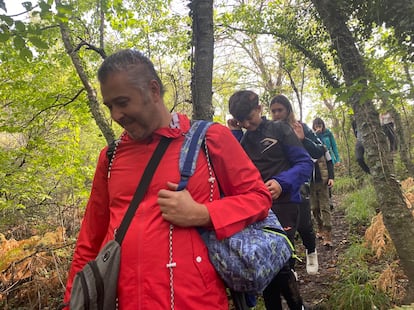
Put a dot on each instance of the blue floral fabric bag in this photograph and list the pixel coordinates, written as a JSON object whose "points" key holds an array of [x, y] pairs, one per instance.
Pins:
{"points": [[248, 260]]}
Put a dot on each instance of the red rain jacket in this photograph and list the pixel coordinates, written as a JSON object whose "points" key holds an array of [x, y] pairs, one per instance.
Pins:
{"points": [[144, 280]]}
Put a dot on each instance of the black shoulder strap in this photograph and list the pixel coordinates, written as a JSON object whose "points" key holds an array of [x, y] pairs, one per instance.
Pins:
{"points": [[142, 188]]}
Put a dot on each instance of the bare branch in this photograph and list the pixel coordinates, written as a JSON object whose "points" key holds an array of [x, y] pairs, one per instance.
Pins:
{"points": [[89, 46], [57, 105]]}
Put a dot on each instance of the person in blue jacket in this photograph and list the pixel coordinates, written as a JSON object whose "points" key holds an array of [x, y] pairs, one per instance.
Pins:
{"points": [[284, 165], [327, 138]]}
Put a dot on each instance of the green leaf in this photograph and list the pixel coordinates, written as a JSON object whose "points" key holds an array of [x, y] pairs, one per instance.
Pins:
{"points": [[27, 5], [7, 19], [4, 37], [20, 26], [38, 43], [45, 7], [26, 54], [19, 42], [64, 9]]}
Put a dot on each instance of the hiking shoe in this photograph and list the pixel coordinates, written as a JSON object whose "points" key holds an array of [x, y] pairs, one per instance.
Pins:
{"points": [[295, 274], [312, 265], [327, 239]]}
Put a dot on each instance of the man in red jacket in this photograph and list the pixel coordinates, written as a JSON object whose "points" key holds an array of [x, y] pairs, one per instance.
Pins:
{"points": [[133, 92]]}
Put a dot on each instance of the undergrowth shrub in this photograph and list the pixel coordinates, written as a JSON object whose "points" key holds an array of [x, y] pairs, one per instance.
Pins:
{"points": [[356, 287], [378, 239], [360, 206], [345, 185], [33, 271]]}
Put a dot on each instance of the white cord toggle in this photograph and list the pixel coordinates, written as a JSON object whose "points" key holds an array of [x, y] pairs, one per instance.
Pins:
{"points": [[171, 265], [212, 180]]}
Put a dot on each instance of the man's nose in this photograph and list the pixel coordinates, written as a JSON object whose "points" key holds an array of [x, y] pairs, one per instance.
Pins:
{"points": [[116, 114]]}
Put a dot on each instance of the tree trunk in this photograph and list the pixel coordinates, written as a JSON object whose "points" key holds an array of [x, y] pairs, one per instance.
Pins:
{"points": [[397, 217], [202, 75], [403, 145], [93, 103]]}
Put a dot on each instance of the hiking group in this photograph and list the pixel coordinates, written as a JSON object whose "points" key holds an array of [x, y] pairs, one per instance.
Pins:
{"points": [[253, 165]]}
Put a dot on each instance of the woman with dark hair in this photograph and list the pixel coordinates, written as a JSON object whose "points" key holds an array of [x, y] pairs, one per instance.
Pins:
{"points": [[327, 138], [282, 110]]}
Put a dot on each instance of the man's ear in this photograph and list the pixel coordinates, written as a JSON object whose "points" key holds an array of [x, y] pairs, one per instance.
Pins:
{"points": [[154, 88], [259, 108]]}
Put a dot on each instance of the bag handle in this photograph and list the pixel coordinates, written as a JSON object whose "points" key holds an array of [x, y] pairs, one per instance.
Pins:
{"points": [[142, 188]]}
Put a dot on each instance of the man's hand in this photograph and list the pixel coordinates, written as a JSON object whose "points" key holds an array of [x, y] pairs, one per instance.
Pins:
{"points": [[179, 208], [330, 183], [274, 188]]}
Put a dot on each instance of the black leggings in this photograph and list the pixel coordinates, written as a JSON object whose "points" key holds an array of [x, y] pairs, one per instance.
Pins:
{"points": [[283, 284], [288, 215], [305, 228], [359, 156], [390, 133]]}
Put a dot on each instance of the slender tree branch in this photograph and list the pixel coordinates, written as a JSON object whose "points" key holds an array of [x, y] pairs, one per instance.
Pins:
{"points": [[57, 105], [89, 46]]}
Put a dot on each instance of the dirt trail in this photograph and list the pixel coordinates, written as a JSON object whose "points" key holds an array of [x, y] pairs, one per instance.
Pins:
{"points": [[315, 288]]}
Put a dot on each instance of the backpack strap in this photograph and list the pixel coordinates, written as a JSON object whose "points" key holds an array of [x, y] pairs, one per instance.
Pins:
{"points": [[190, 150], [142, 187]]}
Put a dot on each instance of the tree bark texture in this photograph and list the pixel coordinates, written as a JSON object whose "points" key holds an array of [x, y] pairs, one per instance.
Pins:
{"points": [[397, 217], [403, 145], [404, 148], [202, 75]]}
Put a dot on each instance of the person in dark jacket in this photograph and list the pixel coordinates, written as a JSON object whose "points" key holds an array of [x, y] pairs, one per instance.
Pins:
{"points": [[359, 149], [284, 165], [282, 110], [388, 126], [322, 180]]}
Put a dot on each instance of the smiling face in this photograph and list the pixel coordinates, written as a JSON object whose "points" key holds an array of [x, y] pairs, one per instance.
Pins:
{"points": [[137, 111], [245, 109], [252, 120]]}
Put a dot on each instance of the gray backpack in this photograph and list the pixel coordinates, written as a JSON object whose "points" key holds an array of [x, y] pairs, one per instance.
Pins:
{"points": [[95, 286]]}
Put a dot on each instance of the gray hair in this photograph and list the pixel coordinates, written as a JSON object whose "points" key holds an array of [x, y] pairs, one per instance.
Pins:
{"points": [[139, 68]]}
